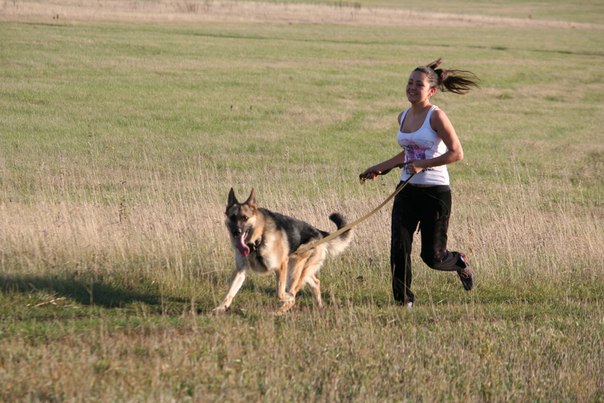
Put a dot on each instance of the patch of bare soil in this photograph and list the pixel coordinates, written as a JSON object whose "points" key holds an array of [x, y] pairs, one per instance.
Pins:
{"points": [[238, 11]]}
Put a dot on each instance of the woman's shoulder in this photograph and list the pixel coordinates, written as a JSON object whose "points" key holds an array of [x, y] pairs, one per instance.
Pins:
{"points": [[439, 119], [399, 117], [437, 113]]}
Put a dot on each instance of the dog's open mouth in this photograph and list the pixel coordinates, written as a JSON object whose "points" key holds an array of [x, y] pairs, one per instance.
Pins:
{"points": [[241, 246]]}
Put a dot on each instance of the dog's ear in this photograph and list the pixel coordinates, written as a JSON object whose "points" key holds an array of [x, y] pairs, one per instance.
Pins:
{"points": [[232, 199], [251, 201]]}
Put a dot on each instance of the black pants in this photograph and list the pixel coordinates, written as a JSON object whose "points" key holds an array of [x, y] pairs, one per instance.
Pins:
{"points": [[430, 208]]}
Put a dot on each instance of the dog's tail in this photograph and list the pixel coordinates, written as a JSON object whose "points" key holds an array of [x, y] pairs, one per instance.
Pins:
{"points": [[341, 242]]}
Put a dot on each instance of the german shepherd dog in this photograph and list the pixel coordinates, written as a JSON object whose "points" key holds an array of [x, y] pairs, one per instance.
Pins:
{"points": [[265, 241]]}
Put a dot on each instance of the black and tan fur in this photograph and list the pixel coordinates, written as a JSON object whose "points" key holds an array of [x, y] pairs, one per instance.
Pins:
{"points": [[265, 241]]}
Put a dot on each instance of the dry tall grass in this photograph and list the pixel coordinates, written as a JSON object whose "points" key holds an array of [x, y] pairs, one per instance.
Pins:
{"points": [[173, 230]]}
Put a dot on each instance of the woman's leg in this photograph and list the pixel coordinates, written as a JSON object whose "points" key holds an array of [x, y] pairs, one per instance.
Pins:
{"points": [[403, 224], [436, 210], [434, 228]]}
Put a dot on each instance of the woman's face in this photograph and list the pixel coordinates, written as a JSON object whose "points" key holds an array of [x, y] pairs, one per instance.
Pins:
{"points": [[418, 88]]}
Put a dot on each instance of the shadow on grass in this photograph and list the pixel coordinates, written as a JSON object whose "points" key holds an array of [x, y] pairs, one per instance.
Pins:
{"points": [[84, 291]]}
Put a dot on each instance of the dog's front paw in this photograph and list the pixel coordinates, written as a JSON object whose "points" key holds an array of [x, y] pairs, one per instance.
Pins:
{"points": [[287, 305], [286, 297], [219, 310]]}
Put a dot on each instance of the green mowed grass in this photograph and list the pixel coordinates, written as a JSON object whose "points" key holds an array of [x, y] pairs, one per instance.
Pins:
{"points": [[121, 140]]}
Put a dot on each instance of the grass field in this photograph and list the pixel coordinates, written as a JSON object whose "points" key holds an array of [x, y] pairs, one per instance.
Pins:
{"points": [[124, 124]]}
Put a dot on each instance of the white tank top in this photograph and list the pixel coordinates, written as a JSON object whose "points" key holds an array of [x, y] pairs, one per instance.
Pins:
{"points": [[423, 144]]}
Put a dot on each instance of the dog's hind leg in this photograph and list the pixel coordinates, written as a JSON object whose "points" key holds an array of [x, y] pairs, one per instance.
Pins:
{"points": [[311, 265], [315, 287], [297, 273], [288, 298]]}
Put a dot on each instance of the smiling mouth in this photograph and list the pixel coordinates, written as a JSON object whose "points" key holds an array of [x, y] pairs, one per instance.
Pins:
{"points": [[240, 244]]}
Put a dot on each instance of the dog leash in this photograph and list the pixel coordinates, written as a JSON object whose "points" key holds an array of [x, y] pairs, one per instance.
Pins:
{"points": [[307, 247]]}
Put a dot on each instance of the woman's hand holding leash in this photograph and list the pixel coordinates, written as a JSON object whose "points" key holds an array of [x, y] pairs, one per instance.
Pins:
{"points": [[371, 175], [374, 171]]}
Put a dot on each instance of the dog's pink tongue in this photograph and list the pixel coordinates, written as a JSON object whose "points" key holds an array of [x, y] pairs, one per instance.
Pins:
{"points": [[241, 246]]}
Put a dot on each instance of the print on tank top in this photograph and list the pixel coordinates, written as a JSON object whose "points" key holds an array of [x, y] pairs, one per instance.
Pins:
{"points": [[416, 150]]}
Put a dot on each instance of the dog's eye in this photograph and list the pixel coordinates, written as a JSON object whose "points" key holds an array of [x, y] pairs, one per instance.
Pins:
{"points": [[236, 217]]}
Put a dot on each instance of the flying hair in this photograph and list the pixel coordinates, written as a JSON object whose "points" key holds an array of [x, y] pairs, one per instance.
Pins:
{"points": [[455, 81]]}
